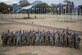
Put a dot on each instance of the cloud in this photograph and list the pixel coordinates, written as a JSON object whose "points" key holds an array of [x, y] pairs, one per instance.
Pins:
{"points": [[77, 2], [3, 0], [9, 1]]}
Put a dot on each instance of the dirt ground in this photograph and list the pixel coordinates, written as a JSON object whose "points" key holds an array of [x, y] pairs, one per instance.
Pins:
{"points": [[36, 50], [20, 24]]}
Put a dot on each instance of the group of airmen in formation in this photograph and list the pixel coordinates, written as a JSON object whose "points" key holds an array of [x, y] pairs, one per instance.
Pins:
{"points": [[53, 38]]}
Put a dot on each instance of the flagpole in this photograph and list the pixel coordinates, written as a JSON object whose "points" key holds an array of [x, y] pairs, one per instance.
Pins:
{"points": [[35, 12], [68, 17], [80, 13], [40, 12], [69, 14], [76, 15], [45, 12], [72, 14], [61, 13], [13, 15], [58, 13], [65, 15]]}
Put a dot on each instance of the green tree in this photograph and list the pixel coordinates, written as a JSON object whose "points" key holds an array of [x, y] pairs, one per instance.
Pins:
{"points": [[4, 8], [42, 8], [24, 3], [43, 5], [54, 6]]}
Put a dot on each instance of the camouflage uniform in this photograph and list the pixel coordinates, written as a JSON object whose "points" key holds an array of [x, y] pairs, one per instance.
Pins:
{"points": [[33, 38], [18, 38], [56, 39], [51, 40], [37, 40], [7, 36], [11, 42], [3, 39], [43, 39], [78, 41]]}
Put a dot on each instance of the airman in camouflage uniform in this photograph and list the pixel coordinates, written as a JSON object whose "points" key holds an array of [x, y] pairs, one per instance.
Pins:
{"points": [[41, 38], [78, 42]]}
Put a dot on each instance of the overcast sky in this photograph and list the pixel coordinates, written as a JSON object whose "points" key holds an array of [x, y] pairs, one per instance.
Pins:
{"points": [[77, 2]]}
